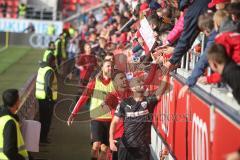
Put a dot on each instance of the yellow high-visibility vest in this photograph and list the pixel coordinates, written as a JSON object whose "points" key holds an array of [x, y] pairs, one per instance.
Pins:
{"points": [[99, 94], [71, 31], [46, 54], [64, 54], [22, 10], [56, 50], [51, 30], [20, 143], [40, 84]]}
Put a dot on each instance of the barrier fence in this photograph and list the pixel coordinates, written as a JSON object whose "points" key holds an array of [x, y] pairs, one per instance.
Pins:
{"points": [[20, 25], [33, 40], [4, 40], [198, 126], [28, 107], [204, 124]]}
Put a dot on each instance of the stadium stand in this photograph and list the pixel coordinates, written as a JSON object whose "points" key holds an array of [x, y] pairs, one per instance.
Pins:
{"points": [[11, 8], [149, 43]]}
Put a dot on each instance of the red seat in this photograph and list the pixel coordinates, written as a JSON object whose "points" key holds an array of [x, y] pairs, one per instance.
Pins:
{"points": [[73, 1], [14, 15], [72, 7], [70, 1], [9, 9], [15, 3], [10, 3], [15, 9], [8, 15], [81, 1]]}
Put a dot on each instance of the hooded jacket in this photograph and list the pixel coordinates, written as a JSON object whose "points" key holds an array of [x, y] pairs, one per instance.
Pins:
{"points": [[231, 76]]}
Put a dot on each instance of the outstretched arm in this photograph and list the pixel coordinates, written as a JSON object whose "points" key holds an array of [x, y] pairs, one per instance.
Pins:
{"points": [[82, 101], [162, 87]]}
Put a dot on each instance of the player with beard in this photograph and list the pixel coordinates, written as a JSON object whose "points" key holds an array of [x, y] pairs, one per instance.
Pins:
{"points": [[135, 111], [121, 92]]}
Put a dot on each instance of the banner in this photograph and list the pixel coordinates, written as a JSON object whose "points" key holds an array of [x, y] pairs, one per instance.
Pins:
{"points": [[193, 129], [19, 25], [31, 134], [147, 33]]}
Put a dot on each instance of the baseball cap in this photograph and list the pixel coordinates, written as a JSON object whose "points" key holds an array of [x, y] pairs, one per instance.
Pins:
{"points": [[144, 6], [214, 2], [154, 5]]}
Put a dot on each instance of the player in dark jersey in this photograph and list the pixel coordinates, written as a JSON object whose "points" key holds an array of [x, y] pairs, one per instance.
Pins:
{"points": [[136, 112]]}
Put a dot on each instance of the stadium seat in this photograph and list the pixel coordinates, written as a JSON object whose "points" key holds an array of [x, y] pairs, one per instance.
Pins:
{"points": [[9, 10], [69, 1], [15, 9], [15, 3], [81, 1], [14, 15], [72, 7], [37, 15], [30, 12], [73, 1], [9, 3], [8, 15], [47, 15]]}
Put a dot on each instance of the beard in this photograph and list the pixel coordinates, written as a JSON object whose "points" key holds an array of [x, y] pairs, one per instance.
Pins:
{"points": [[108, 74], [140, 90]]}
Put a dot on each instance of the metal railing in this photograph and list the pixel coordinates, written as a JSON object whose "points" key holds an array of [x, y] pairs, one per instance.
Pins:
{"points": [[223, 94]]}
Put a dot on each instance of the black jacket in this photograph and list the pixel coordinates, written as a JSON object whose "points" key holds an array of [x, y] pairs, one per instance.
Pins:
{"points": [[183, 4], [190, 30], [231, 76], [10, 148], [59, 48]]}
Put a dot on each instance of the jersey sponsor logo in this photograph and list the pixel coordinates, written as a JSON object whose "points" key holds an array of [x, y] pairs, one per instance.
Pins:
{"points": [[137, 114]]}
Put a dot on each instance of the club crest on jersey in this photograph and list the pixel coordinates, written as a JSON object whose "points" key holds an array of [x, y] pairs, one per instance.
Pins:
{"points": [[144, 104]]}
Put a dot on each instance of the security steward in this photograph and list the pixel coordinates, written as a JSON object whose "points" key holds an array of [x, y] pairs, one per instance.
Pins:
{"points": [[11, 141], [46, 94], [51, 30], [22, 9], [71, 31], [49, 52], [59, 49]]}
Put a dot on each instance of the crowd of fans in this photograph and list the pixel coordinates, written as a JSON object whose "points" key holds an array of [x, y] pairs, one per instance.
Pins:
{"points": [[176, 26], [124, 79]]}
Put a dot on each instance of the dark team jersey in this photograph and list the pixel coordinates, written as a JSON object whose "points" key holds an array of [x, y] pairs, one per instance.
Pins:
{"points": [[137, 119]]}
